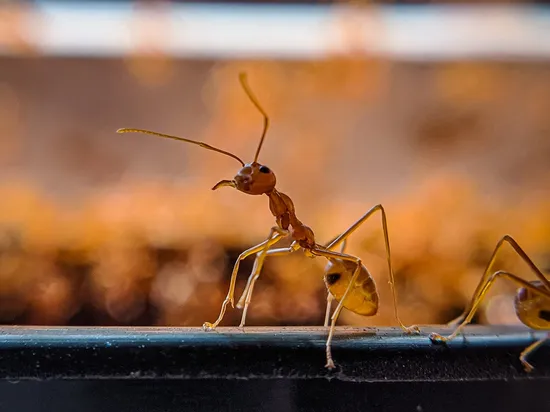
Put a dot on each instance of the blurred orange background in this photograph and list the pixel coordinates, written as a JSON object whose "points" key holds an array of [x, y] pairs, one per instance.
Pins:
{"points": [[98, 228]]}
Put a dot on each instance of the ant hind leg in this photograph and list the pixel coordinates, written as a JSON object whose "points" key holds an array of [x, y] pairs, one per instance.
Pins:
{"points": [[353, 228]]}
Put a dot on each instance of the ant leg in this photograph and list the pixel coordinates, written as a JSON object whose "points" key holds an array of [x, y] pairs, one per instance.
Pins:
{"points": [[247, 293], [483, 288], [487, 272], [246, 297], [241, 300], [333, 243], [529, 351], [353, 228], [271, 252], [275, 235], [330, 298], [335, 255]]}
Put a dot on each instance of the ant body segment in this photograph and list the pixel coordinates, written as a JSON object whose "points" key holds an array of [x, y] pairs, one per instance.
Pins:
{"points": [[532, 301], [347, 279]]}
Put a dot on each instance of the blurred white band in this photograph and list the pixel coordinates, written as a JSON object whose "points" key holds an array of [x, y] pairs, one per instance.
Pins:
{"points": [[226, 31]]}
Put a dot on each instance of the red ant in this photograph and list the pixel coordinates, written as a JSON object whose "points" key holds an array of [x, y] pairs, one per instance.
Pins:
{"points": [[532, 301], [347, 279]]}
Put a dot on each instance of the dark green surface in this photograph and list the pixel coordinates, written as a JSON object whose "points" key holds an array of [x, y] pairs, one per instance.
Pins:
{"points": [[361, 355], [165, 370]]}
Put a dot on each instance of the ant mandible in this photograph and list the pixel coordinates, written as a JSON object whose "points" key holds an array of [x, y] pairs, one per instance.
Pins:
{"points": [[347, 279], [532, 301]]}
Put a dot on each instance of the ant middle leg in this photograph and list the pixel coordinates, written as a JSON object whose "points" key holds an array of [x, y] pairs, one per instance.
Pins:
{"points": [[330, 298], [336, 255]]}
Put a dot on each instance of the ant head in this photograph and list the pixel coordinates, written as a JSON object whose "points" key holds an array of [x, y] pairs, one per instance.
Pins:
{"points": [[252, 179]]}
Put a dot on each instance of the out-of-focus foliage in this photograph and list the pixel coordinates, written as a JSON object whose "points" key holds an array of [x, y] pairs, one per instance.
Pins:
{"points": [[100, 228]]}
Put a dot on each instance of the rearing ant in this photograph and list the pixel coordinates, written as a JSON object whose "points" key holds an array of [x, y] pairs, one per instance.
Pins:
{"points": [[347, 279]]}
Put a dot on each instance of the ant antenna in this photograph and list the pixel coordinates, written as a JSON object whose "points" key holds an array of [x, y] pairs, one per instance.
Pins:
{"points": [[254, 100], [201, 144]]}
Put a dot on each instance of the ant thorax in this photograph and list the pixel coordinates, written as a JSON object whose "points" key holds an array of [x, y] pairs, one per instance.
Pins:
{"points": [[282, 208]]}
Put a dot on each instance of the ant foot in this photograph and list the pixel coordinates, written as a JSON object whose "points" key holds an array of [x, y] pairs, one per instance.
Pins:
{"points": [[207, 326], [526, 365], [411, 329], [437, 338]]}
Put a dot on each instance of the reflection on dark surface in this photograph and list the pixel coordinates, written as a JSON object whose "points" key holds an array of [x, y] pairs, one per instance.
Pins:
{"points": [[291, 396]]}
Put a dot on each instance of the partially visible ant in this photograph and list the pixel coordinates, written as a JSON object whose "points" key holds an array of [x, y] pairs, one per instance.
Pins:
{"points": [[532, 301], [347, 279]]}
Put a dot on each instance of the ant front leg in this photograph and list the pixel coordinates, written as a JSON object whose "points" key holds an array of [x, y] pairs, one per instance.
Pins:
{"points": [[353, 228], [483, 288], [505, 239], [275, 235], [246, 297]]}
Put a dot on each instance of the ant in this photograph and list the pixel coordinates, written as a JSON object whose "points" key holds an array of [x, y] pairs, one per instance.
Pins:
{"points": [[347, 279], [532, 301]]}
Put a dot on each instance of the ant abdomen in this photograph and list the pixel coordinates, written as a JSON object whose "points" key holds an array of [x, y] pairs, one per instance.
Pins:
{"points": [[362, 298], [532, 308]]}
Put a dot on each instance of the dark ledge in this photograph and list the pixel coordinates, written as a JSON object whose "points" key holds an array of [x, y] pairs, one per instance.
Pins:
{"points": [[361, 354], [266, 369]]}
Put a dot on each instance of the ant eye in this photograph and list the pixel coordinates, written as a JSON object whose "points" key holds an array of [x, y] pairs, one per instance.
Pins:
{"points": [[264, 169]]}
